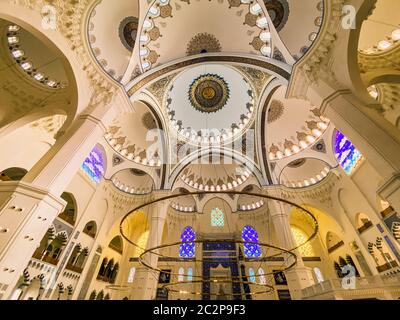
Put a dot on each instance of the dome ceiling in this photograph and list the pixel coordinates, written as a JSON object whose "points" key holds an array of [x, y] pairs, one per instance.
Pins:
{"points": [[304, 172], [176, 28], [112, 32], [209, 104], [185, 203], [297, 22], [32, 81], [292, 125], [381, 28], [250, 203], [128, 135], [46, 69], [133, 181], [226, 174]]}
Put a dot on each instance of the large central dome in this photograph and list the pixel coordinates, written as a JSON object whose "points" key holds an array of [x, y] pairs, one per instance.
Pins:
{"points": [[210, 104]]}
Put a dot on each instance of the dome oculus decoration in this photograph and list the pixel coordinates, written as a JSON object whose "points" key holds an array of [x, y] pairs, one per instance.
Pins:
{"points": [[128, 31], [278, 11], [209, 93]]}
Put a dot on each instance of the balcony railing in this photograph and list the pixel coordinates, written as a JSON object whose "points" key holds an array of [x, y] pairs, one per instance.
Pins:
{"points": [[387, 266], [365, 227], [367, 283], [73, 268], [387, 212]]}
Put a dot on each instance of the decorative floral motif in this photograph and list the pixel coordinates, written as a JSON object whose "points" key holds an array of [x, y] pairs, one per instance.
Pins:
{"points": [[203, 43], [275, 111], [148, 121]]}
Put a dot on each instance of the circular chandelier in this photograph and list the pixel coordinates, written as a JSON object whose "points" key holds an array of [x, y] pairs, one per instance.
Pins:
{"points": [[272, 250]]}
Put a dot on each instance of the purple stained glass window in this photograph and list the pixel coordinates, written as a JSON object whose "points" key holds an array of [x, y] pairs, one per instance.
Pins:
{"points": [[94, 165], [251, 250], [187, 249], [346, 153]]}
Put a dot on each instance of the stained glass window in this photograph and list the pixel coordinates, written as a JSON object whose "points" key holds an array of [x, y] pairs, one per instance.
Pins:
{"points": [[300, 237], [131, 275], [251, 250], [94, 165], [318, 274], [190, 275], [188, 248], [252, 275], [346, 153], [217, 218], [261, 274], [181, 272]]}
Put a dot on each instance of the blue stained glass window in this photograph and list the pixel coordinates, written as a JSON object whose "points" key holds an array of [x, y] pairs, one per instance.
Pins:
{"points": [[252, 275], [94, 165], [188, 248], [251, 250], [217, 218], [346, 153]]}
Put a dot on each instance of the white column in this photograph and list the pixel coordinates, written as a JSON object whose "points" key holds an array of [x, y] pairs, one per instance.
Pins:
{"points": [[29, 207], [299, 276], [146, 280]]}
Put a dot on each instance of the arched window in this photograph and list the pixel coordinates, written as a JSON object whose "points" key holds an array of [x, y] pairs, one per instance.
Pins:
{"points": [[346, 153], [181, 273], [187, 249], [116, 244], [318, 274], [251, 250], [12, 174], [90, 229], [100, 296], [93, 295], [252, 275], [190, 274], [131, 275], [69, 213], [114, 273], [217, 218], [261, 274], [108, 271], [102, 270], [93, 165]]}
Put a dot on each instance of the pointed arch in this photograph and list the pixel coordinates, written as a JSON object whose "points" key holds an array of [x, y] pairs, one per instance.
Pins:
{"points": [[116, 244]]}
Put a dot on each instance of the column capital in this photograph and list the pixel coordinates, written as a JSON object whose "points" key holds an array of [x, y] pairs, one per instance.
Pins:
{"points": [[33, 191], [390, 186]]}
